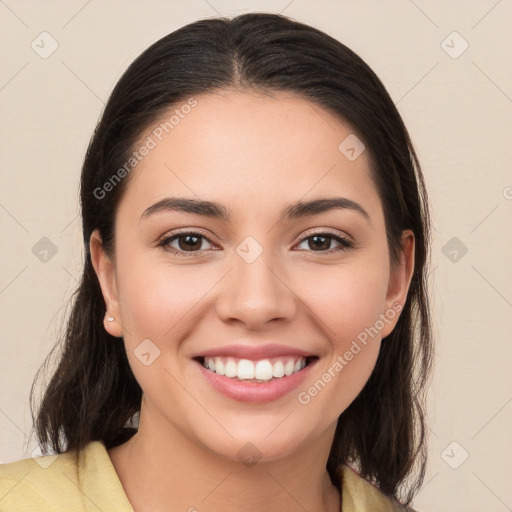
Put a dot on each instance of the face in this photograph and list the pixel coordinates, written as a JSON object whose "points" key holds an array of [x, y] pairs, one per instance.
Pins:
{"points": [[261, 293]]}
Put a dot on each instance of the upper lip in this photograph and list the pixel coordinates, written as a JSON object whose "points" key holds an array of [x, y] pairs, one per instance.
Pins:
{"points": [[254, 351]]}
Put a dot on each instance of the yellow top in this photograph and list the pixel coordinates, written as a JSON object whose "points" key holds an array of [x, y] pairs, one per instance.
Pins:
{"points": [[54, 483]]}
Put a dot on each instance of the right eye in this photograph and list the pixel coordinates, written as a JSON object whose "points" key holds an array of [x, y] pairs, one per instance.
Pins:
{"points": [[188, 243]]}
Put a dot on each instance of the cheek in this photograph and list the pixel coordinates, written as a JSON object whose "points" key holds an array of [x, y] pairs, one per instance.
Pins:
{"points": [[347, 299], [160, 303], [158, 299], [346, 302]]}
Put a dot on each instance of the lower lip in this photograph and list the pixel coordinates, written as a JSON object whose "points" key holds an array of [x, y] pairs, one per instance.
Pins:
{"points": [[254, 392]]}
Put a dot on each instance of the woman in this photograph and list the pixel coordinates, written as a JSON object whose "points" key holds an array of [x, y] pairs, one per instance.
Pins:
{"points": [[252, 327]]}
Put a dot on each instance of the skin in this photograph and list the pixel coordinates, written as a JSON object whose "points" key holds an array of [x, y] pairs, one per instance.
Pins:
{"points": [[255, 154]]}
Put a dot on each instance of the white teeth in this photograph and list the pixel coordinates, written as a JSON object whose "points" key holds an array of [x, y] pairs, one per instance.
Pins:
{"points": [[230, 370], [245, 369], [263, 370], [219, 366], [278, 369]]}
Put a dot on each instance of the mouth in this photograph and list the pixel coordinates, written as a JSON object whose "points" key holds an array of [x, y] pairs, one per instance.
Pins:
{"points": [[258, 371]]}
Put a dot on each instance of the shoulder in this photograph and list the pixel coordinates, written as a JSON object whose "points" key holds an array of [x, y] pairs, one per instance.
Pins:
{"points": [[71, 481], [358, 494], [33, 483]]}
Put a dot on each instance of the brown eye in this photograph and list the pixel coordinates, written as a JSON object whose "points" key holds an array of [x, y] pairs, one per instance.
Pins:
{"points": [[187, 242], [321, 242]]}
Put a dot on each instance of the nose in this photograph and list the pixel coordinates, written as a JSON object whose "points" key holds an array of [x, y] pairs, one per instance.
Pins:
{"points": [[256, 294]]}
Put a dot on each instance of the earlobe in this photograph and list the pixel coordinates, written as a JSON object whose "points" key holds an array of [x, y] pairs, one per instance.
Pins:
{"points": [[399, 282], [105, 272]]}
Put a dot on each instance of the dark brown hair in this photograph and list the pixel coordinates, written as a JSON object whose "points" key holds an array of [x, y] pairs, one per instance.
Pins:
{"points": [[93, 395]]}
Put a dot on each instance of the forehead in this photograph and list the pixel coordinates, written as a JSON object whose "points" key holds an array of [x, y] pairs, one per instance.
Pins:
{"points": [[248, 149]]}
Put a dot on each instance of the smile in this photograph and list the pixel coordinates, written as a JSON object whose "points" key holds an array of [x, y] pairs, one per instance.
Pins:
{"points": [[262, 370], [255, 381]]}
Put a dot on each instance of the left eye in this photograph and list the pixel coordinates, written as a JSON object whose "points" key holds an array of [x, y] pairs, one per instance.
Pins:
{"points": [[189, 243], [318, 239]]}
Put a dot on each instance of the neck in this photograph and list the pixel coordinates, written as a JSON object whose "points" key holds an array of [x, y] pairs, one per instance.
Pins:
{"points": [[161, 469]]}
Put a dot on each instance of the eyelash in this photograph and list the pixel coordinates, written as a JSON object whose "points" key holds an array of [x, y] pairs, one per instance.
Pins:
{"points": [[345, 244]]}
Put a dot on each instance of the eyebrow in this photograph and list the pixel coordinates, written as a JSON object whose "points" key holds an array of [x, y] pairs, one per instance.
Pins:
{"points": [[216, 210]]}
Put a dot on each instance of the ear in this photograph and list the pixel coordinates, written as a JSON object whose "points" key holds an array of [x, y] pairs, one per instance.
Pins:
{"points": [[105, 271], [399, 282]]}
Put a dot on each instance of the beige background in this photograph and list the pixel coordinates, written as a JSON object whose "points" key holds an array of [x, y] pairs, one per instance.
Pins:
{"points": [[458, 111]]}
